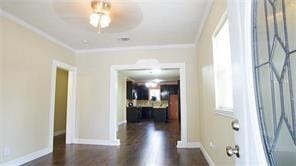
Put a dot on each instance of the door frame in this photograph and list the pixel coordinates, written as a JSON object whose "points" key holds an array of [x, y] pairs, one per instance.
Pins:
{"points": [[249, 138], [71, 100], [147, 64]]}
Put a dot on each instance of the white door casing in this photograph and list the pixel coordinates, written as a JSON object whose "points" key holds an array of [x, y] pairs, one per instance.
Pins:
{"points": [[147, 64], [248, 137], [71, 102]]}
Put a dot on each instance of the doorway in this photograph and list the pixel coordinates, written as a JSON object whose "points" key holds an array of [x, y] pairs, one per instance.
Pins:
{"points": [[62, 109], [142, 65]]}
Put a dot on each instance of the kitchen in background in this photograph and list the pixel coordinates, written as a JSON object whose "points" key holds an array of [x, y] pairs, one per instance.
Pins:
{"points": [[152, 95]]}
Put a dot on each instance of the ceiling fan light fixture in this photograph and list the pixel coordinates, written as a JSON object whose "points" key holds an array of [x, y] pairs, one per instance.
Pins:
{"points": [[101, 20], [100, 17], [100, 6]]}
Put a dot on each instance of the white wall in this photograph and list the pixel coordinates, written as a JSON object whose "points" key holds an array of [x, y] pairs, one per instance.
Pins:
{"points": [[94, 81], [26, 87], [121, 98], [214, 128]]}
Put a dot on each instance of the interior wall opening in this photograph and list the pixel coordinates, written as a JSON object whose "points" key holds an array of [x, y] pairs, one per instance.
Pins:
{"points": [[148, 103], [60, 106]]}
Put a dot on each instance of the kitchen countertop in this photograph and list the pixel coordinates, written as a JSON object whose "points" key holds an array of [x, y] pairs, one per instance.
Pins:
{"points": [[160, 107]]}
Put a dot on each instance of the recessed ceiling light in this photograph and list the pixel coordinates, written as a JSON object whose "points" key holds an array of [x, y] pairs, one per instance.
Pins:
{"points": [[125, 39]]}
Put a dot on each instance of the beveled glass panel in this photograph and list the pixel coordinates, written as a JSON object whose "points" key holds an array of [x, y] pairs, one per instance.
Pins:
{"points": [[277, 100], [285, 149], [287, 98], [262, 37], [276, 81], [266, 100], [293, 80], [278, 57], [291, 20], [279, 19], [270, 21]]}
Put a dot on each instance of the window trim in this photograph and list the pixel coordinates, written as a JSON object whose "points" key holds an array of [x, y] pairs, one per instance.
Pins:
{"points": [[223, 111]]}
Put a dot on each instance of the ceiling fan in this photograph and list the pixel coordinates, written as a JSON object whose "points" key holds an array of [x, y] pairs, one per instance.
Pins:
{"points": [[97, 15], [100, 18]]}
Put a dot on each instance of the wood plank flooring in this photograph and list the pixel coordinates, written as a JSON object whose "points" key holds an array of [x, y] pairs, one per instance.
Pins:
{"points": [[142, 144]]}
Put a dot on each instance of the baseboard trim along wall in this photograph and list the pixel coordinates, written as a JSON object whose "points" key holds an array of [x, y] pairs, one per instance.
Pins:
{"points": [[97, 142], [27, 158], [189, 145], [60, 132], [207, 156], [122, 122], [43, 152]]}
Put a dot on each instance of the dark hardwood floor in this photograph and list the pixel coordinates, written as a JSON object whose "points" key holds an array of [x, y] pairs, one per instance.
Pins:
{"points": [[142, 144]]}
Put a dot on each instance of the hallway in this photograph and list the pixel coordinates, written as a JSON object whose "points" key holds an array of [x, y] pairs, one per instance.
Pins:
{"points": [[144, 143]]}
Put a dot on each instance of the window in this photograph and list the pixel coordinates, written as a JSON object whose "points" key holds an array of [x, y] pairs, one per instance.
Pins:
{"points": [[154, 93], [222, 68]]}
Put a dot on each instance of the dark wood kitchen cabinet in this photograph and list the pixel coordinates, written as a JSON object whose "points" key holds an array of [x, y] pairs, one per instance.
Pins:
{"points": [[142, 92], [131, 93], [133, 114], [160, 114], [147, 112], [167, 90], [129, 90]]}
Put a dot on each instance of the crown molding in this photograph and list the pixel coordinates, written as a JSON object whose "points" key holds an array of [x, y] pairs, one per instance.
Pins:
{"points": [[20, 22], [203, 20], [145, 47]]}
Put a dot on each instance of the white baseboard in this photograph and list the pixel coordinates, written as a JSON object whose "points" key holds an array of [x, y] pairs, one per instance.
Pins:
{"points": [[60, 132], [27, 158], [97, 142], [188, 145], [207, 156], [122, 122]]}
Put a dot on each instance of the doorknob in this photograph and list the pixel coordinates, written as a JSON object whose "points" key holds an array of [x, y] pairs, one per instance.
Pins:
{"points": [[230, 151]]}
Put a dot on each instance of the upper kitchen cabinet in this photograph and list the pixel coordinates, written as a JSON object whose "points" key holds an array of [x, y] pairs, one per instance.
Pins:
{"points": [[129, 90], [142, 92], [131, 93], [167, 90]]}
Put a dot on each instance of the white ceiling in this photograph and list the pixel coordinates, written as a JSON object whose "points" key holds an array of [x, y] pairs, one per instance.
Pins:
{"points": [[145, 22], [141, 76]]}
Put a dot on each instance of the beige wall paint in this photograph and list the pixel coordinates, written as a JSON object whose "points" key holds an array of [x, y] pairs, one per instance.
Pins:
{"points": [[27, 76], [94, 82], [1, 89], [121, 98], [61, 100], [214, 128]]}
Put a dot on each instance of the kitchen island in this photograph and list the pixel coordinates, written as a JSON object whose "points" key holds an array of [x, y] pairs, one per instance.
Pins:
{"points": [[156, 113]]}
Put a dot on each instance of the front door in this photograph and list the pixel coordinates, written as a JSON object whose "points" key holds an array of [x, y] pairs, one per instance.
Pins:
{"points": [[248, 148], [264, 72], [275, 75]]}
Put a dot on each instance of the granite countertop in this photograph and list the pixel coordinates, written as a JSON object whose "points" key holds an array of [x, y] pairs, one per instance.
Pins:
{"points": [[159, 106]]}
